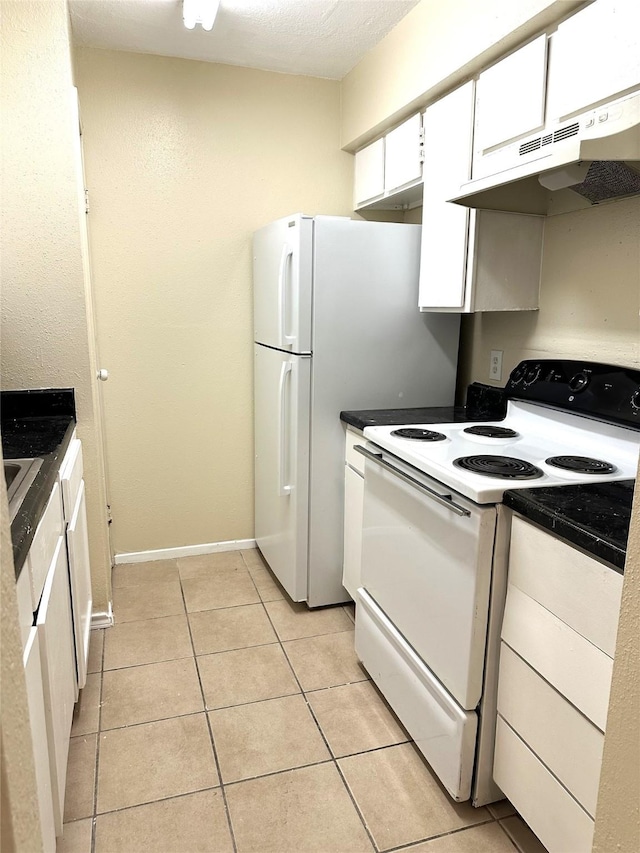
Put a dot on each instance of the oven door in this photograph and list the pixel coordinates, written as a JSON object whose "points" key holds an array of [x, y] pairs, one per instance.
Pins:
{"points": [[426, 562]]}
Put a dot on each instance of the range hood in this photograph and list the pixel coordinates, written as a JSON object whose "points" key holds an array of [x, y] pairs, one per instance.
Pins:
{"points": [[592, 158]]}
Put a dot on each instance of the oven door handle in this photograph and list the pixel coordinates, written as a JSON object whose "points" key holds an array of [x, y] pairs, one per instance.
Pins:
{"points": [[443, 501]]}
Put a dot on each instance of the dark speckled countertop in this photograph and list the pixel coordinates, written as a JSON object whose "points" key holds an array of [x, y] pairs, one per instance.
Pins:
{"points": [[35, 424], [594, 517]]}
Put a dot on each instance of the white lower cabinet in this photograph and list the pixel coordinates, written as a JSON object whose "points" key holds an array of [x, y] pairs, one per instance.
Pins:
{"points": [[353, 509], [38, 725], [75, 516], [54, 605], [556, 660], [55, 635]]}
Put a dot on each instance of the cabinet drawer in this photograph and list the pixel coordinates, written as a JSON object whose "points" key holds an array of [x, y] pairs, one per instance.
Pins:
{"points": [[44, 543], [71, 473], [571, 748], [579, 590], [559, 821], [352, 457], [571, 664], [442, 731]]}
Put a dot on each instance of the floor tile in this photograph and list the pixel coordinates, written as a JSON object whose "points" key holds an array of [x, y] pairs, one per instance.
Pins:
{"points": [[230, 628], [253, 558], [401, 800], [246, 675], [76, 837], [81, 769], [522, 836], [96, 643], [355, 718], [154, 761], [147, 601], [325, 661], [147, 641], [502, 808], [223, 589], [204, 565], [293, 620], [268, 587], [266, 737], [155, 691], [86, 714], [196, 823], [488, 838], [133, 574], [301, 810]]}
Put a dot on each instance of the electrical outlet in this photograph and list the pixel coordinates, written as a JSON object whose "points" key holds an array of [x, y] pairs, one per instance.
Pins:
{"points": [[495, 365]]}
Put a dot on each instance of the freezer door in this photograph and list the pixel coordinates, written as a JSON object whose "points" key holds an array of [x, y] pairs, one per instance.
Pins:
{"points": [[282, 393], [282, 276]]}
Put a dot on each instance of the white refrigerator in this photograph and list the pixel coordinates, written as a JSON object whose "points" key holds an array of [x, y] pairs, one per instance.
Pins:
{"points": [[337, 327]]}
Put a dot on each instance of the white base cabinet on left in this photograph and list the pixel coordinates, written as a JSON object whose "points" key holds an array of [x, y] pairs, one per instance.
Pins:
{"points": [[54, 608]]}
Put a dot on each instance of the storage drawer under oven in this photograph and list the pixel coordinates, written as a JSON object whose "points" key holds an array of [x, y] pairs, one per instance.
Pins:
{"points": [[442, 731], [426, 562]]}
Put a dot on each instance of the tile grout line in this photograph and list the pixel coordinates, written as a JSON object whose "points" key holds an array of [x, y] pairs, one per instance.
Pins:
{"points": [[208, 722], [333, 759], [97, 767], [407, 848]]}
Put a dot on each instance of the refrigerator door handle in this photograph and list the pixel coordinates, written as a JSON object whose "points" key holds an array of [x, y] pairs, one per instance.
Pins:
{"points": [[285, 339], [283, 488]]}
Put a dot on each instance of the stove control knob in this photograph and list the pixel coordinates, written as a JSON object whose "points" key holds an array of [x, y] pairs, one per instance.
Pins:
{"points": [[532, 374], [517, 375], [635, 400], [578, 382]]}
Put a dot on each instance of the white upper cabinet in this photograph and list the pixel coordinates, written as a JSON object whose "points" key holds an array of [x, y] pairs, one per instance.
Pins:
{"points": [[369, 173], [593, 57], [470, 260], [445, 227], [388, 173], [403, 155], [510, 97]]}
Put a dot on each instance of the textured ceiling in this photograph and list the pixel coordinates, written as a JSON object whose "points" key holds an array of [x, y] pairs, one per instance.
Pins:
{"points": [[321, 38]]}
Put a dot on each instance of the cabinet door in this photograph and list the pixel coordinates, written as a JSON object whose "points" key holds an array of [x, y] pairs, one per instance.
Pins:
{"points": [[80, 578], [510, 97], [594, 56], [55, 635], [445, 226], [369, 173], [402, 154], [38, 725], [353, 507]]}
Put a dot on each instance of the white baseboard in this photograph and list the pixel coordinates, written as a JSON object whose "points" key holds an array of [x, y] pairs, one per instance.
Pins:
{"points": [[102, 618], [184, 551]]}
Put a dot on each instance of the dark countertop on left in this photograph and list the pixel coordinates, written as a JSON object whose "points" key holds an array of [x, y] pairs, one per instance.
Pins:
{"points": [[35, 424]]}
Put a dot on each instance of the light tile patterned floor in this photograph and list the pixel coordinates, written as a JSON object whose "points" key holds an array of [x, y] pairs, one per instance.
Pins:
{"points": [[219, 716]]}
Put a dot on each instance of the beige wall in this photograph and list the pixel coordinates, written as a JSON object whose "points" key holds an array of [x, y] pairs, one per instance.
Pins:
{"points": [[589, 297], [184, 161], [45, 308], [435, 47]]}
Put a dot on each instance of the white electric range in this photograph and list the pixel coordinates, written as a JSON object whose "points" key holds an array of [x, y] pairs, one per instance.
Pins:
{"points": [[435, 546]]}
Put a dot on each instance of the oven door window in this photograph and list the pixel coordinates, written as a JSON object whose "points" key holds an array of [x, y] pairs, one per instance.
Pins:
{"points": [[428, 568]]}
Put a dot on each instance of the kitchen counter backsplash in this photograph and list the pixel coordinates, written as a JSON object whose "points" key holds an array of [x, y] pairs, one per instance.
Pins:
{"points": [[40, 424]]}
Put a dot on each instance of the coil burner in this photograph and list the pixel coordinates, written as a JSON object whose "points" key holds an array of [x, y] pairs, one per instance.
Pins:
{"points": [[415, 434], [504, 467], [491, 431], [581, 464]]}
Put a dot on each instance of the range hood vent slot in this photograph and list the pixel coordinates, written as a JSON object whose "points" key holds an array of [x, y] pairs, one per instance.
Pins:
{"points": [[566, 132]]}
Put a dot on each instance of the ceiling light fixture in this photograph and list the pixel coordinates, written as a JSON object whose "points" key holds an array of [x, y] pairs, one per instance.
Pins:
{"points": [[199, 12]]}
